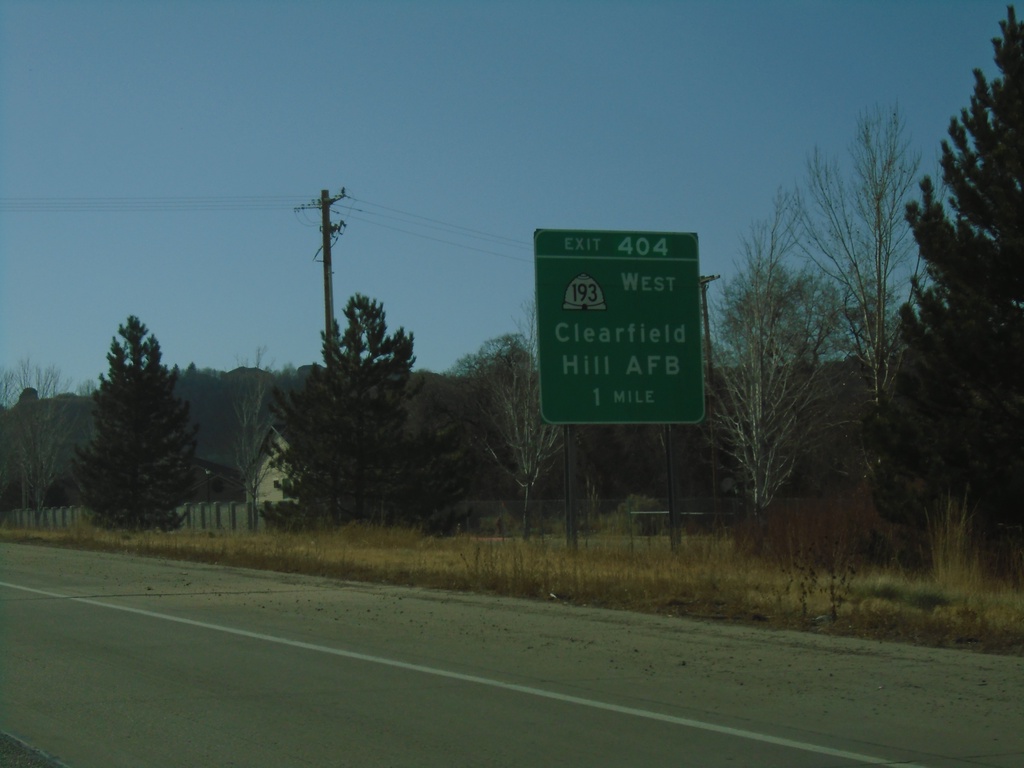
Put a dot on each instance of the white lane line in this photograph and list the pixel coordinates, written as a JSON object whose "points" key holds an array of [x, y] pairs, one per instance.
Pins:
{"points": [[523, 689]]}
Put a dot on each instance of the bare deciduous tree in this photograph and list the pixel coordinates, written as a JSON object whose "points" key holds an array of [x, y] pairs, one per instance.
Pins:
{"points": [[38, 429], [857, 234], [506, 372], [776, 325], [8, 390], [7, 399]]}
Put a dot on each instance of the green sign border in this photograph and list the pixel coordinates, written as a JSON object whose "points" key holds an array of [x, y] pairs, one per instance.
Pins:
{"points": [[619, 327]]}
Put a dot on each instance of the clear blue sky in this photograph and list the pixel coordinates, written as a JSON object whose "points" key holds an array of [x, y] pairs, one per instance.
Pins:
{"points": [[151, 153]]}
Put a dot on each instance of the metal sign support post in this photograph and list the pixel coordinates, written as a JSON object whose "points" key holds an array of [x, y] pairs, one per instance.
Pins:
{"points": [[569, 440], [673, 513]]}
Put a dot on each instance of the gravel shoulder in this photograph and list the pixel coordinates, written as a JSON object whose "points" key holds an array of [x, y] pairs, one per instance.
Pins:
{"points": [[15, 753]]}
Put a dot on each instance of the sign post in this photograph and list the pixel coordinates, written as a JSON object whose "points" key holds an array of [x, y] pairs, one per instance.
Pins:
{"points": [[619, 342]]}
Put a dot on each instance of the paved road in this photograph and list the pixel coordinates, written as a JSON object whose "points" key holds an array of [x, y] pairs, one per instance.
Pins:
{"points": [[120, 661]]}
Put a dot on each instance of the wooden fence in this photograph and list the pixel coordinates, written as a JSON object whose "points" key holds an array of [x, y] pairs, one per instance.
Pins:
{"points": [[212, 516], [487, 517]]}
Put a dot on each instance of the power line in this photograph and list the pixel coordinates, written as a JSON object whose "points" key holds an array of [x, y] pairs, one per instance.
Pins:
{"points": [[142, 204], [411, 224], [442, 240], [437, 223], [409, 219]]}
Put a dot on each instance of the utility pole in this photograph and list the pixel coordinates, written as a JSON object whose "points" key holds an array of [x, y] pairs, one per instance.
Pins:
{"points": [[329, 231], [325, 228], [709, 388]]}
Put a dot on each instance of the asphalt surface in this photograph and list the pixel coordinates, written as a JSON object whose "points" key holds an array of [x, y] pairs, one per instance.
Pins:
{"points": [[112, 660]]}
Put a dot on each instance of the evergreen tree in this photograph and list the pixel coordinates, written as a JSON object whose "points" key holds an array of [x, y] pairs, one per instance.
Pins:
{"points": [[344, 430], [958, 419], [137, 467], [436, 473]]}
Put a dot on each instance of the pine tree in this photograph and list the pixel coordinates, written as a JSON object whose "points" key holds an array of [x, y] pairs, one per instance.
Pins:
{"points": [[436, 471], [958, 419], [137, 467], [344, 430]]}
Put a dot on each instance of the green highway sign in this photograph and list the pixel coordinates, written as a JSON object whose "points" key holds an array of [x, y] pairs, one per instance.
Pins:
{"points": [[618, 321]]}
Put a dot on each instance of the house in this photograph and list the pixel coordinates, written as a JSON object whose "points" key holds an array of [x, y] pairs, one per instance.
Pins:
{"points": [[213, 482], [273, 481]]}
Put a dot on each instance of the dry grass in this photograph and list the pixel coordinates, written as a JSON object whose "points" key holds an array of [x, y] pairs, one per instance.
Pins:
{"points": [[956, 562], [786, 577]]}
